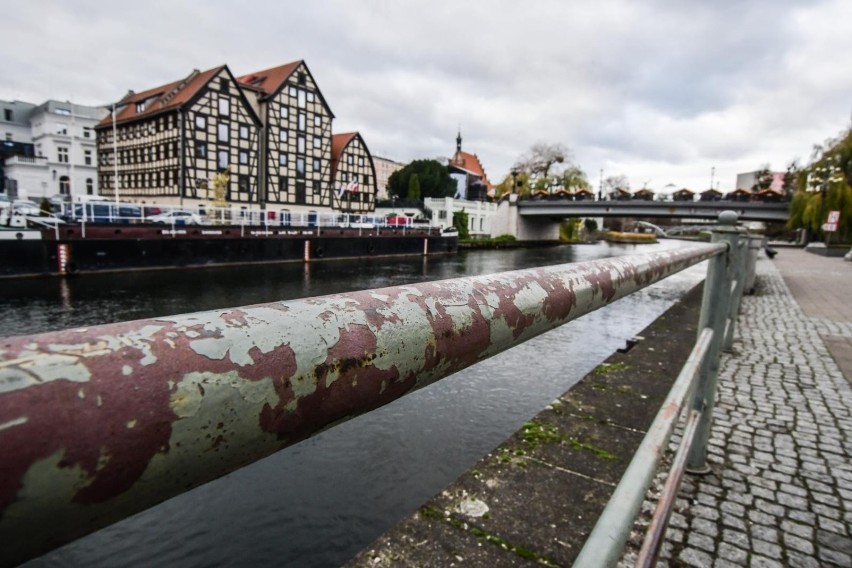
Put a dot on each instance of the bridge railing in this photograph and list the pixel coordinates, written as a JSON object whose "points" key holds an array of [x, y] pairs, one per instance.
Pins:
{"points": [[99, 423]]}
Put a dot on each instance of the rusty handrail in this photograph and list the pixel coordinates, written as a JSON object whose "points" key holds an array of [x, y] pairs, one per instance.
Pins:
{"points": [[99, 423]]}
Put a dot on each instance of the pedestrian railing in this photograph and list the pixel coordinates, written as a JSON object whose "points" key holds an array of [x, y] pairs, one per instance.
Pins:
{"points": [[693, 394], [99, 423]]}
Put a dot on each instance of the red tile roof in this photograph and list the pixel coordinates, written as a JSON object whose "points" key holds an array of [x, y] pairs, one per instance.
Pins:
{"points": [[339, 142], [471, 163], [165, 97], [270, 80]]}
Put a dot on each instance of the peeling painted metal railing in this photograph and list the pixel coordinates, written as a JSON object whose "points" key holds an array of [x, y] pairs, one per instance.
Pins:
{"points": [[694, 393], [97, 424]]}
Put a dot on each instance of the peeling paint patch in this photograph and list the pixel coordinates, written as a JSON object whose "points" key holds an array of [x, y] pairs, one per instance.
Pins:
{"points": [[12, 423]]}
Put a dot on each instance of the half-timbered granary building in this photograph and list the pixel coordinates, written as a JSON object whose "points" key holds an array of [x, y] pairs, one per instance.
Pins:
{"points": [[296, 143], [353, 174], [172, 140], [271, 129]]}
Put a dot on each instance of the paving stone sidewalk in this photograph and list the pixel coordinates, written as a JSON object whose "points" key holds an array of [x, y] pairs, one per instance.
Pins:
{"points": [[780, 491]]}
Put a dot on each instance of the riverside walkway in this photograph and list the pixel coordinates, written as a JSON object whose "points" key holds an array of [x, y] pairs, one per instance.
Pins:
{"points": [[780, 490]]}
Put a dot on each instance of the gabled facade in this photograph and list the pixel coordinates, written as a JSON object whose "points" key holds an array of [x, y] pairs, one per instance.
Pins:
{"points": [[644, 194], [467, 170], [353, 174], [172, 140], [710, 195], [296, 141], [683, 195]]}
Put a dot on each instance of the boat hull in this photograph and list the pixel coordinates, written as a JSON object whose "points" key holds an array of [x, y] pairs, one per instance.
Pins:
{"points": [[120, 248]]}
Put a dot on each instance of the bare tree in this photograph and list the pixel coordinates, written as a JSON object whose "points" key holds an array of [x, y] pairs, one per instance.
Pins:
{"points": [[541, 158], [612, 183]]}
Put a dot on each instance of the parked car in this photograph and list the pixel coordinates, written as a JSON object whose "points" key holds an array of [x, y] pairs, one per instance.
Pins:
{"points": [[177, 217], [94, 212]]}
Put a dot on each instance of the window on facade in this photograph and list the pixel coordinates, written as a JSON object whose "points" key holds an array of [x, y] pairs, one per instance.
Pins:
{"points": [[292, 91], [140, 107], [87, 132], [283, 183], [224, 84], [300, 144], [224, 106], [344, 177], [317, 120], [285, 112], [282, 160], [243, 157], [316, 164], [87, 157], [366, 179], [223, 159], [90, 186], [222, 132], [350, 160], [62, 155], [200, 122], [282, 135], [360, 160], [244, 132], [201, 150], [300, 98], [243, 184], [7, 114], [317, 141], [317, 187], [300, 167], [302, 121], [302, 78], [310, 97]]}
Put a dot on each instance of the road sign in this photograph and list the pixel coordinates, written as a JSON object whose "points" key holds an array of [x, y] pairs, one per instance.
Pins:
{"points": [[833, 217], [829, 227]]}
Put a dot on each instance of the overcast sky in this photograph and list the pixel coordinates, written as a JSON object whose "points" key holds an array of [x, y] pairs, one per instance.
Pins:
{"points": [[659, 91]]}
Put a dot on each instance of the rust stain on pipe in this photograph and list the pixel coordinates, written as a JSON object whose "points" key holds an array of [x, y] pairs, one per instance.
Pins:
{"points": [[116, 418]]}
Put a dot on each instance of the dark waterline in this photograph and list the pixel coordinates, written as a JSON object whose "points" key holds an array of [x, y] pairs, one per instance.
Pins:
{"points": [[318, 503]]}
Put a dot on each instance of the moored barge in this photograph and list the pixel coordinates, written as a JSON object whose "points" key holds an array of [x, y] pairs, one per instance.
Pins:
{"points": [[79, 248]]}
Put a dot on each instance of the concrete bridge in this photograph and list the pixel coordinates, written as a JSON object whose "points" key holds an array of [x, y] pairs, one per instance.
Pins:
{"points": [[563, 208], [539, 219]]}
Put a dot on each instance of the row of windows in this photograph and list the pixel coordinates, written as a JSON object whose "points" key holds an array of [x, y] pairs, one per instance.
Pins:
{"points": [[63, 158], [222, 128], [223, 156], [141, 155]]}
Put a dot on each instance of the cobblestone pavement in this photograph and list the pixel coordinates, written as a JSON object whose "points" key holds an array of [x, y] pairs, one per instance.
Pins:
{"points": [[780, 491]]}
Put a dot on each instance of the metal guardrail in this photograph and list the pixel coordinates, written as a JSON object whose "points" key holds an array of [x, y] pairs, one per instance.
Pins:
{"points": [[694, 393], [99, 423]]}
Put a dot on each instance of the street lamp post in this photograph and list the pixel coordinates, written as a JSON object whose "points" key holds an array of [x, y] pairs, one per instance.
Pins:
{"points": [[514, 181], [114, 154]]}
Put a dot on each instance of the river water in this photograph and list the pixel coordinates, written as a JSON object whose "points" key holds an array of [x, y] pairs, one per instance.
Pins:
{"points": [[320, 502]]}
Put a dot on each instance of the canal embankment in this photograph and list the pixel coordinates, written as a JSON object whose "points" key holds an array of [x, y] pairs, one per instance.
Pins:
{"points": [[534, 499], [779, 487]]}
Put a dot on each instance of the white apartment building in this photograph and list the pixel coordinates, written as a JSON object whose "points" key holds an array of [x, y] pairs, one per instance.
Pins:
{"points": [[480, 214], [64, 157], [384, 168]]}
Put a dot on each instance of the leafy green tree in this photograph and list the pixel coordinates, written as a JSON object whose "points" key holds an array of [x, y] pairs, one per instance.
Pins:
{"points": [[414, 188], [762, 179], [825, 185], [574, 178], [591, 225], [522, 181], [460, 222], [433, 177]]}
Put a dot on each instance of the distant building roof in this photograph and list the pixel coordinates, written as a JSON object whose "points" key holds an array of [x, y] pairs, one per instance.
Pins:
{"points": [[470, 164], [163, 98]]}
